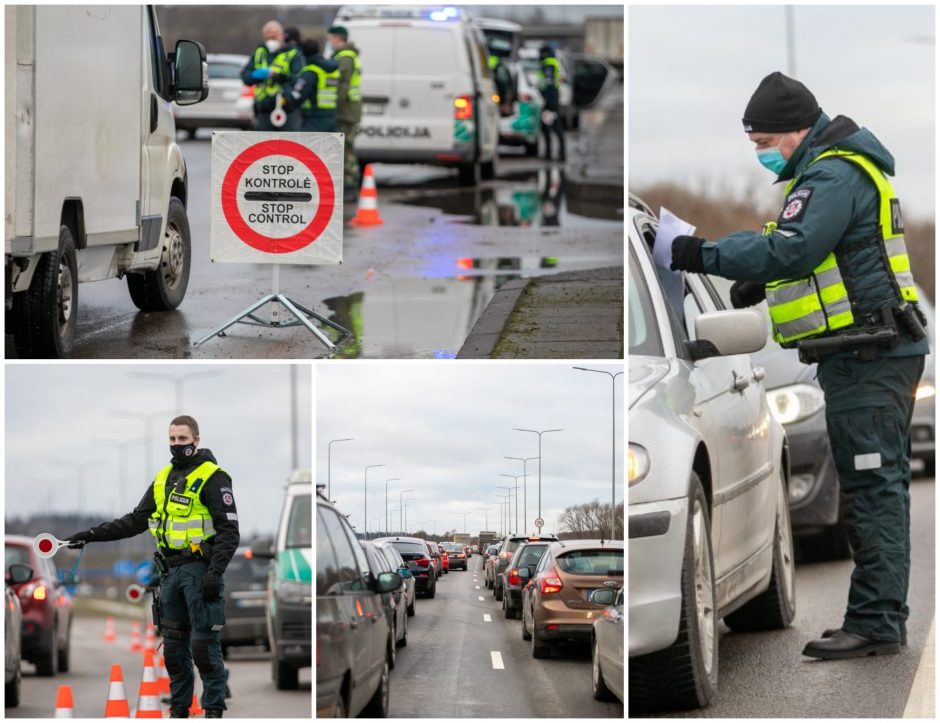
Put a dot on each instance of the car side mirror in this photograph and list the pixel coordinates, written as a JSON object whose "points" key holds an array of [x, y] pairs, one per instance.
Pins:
{"points": [[404, 572], [603, 597], [726, 333], [388, 582], [18, 573], [262, 548], [191, 73], [524, 573]]}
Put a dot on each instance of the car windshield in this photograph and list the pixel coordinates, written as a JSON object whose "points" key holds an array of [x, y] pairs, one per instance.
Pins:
{"points": [[243, 569], [453, 547], [226, 71], [592, 562], [299, 532], [642, 327], [410, 549]]}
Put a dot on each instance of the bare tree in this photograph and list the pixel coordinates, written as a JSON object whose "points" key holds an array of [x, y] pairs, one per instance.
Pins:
{"points": [[590, 520]]}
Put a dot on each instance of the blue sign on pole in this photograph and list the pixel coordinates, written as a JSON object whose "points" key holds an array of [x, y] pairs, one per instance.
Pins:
{"points": [[144, 572], [123, 567]]}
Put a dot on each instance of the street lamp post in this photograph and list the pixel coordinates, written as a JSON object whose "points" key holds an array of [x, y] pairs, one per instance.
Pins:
{"points": [[613, 444], [486, 520], [407, 502], [365, 492], [509, 491], [539, 433], [500, 503], [525, 513], [516, 478], [393, 479], [400, 508], [329, 474]]}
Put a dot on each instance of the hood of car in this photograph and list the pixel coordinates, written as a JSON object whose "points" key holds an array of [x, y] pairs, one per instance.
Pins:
{"points": [[645, 371]]}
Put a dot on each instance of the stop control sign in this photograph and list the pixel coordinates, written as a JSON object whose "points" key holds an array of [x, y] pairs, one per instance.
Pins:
{"points": [[277, 198]]}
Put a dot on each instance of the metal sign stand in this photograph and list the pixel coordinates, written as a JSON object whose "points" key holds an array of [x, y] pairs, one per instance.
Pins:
{"points": [[303, 316]]}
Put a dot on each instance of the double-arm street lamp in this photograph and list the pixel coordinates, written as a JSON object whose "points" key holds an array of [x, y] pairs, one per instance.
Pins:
{"points": [[539, 433], [525, 513]]}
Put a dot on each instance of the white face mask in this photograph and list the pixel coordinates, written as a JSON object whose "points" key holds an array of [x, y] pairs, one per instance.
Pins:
{"points": [[272, 45]]}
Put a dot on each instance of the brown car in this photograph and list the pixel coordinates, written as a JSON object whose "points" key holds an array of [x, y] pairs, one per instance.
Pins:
{"points": [[556, 601]]}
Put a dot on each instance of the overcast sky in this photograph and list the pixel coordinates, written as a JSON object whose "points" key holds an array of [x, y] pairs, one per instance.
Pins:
{"points": [[445, 428], [693, 69], [65, 413]]}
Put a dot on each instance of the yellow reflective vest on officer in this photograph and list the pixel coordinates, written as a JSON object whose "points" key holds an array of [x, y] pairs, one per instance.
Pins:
{"points": [[822, 302], [180, 518], [354, 93], [327, 88]]}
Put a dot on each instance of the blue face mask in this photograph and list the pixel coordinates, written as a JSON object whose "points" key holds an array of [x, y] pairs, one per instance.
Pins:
{"points": [[772, 159]]}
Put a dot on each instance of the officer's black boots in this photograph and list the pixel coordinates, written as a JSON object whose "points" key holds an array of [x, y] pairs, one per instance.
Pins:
{"points": [[842, 645], [179, 713], [829, 632], [213, 712]]}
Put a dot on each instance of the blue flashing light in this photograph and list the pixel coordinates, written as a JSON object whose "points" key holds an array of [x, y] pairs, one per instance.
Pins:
{"points": [[444, 14]]}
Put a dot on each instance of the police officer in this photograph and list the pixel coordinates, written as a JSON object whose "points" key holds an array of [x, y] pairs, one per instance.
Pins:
{"points": [[276, 62], [348, 105], [190, 511], [549, 80], [315, 90], [502, 78], [836, 275]]}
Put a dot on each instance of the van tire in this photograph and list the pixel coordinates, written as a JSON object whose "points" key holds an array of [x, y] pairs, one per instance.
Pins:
{"points": [[45, 315], [532, 149], [488, 170], [468, 174], [163, 288]]}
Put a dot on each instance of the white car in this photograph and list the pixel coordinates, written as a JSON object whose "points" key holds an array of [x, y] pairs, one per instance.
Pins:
{"points": [[709, 524], [427, 91], [230, 103]]}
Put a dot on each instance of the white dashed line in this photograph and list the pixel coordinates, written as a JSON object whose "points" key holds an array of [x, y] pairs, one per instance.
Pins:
{"points": [[481, 597], [487, 618], [497, 660], [477, 587]]}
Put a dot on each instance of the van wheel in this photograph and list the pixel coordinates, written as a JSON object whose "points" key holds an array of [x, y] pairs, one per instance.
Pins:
{"points": [[685, 674], [775, 608], [46, 314], [488, 171], [377, 707], [163, 288], [468, 174], [532, 149]]}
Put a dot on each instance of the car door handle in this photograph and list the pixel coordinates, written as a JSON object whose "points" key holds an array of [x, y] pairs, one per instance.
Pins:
{"points": [[740, 383], [759, 374]]}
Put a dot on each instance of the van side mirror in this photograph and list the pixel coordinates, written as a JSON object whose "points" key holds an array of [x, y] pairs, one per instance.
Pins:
{"points": [[191, 73], [262, 548]]}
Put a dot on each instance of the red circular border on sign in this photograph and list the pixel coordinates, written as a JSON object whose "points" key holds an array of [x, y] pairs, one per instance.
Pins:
{"points": [[237, 223]]}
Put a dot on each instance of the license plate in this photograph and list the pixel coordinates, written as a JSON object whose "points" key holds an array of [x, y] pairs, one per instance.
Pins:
{"points": [[373, 108]]}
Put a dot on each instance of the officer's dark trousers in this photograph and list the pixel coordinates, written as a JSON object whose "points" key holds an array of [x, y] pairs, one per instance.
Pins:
{"points": [[320, 123], [182, 603], [868, 411]]}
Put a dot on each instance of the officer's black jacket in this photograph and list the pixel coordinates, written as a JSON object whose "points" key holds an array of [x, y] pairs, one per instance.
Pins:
{"points": [[213, 494]]}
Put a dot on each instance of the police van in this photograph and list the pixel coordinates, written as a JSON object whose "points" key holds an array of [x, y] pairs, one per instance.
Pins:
{"points": [[427, 92]]}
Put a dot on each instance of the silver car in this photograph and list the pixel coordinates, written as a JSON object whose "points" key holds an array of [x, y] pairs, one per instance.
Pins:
{"points": [[923, 442], [709, 527], [230, 103]]}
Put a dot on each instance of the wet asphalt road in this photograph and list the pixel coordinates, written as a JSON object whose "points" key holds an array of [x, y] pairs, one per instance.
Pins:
{"points": [[449, 659], [254, 694], [411, 288], [763, 675]]}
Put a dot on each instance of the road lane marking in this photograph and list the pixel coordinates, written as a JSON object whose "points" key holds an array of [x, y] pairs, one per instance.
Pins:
{"points": [[920, 701], [477, 587], [487, 618], [496, 659], [481, 597]]}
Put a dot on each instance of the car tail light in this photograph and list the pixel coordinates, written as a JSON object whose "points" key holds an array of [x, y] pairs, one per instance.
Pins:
{"points": [[39, 592], [247, 92], [463, 108], [550, 582], [422, 562], [505, 555], [514, 578]]}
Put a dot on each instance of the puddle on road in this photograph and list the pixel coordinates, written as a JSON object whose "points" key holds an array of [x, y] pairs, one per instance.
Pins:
{"points": [[536, 199]]}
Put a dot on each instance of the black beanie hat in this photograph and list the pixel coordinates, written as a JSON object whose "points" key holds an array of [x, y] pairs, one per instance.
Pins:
{"points": [[309, 47], [779, 105]]}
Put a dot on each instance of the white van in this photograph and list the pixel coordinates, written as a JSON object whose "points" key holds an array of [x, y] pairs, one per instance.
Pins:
{"points": [[427, 92], [96, 185]]}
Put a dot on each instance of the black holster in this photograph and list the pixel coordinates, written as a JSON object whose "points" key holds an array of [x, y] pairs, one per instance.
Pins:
{"points": [[864, 342]]}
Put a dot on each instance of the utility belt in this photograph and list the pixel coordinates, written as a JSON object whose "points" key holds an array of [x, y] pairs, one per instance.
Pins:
{"points": [[876, 331], [166, 559]]}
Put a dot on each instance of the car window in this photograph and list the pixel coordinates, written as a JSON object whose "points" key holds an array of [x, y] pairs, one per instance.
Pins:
{"points": [[531, 554], [243, 569], [329, 574], [362, 563], [225, 71], [378, 562], [641, 327], [410, 548], [394, 558], [591, 562], [543, 563], [350, 559]]}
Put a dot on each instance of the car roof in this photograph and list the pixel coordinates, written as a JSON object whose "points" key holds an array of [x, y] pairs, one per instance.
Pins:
{"points": [[399, 539], [595, 544], [19, 540]]}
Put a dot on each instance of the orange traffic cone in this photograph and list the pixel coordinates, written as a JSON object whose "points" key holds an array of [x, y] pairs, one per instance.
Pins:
{"points": [[150, 642], [117, 706], [163, 678], [148, 699], [63, 702], [136, 647], [195, 708], [367, 214], [109, 635]]}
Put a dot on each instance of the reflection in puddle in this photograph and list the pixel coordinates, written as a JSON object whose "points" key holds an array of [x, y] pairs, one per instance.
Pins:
{"points": [[536, 200]]}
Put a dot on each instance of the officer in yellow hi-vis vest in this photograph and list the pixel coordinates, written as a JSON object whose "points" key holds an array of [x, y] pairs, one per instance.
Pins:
{"points": [[348, 105], [836, 275], [316, 90], [189, 509], [272, 66]]}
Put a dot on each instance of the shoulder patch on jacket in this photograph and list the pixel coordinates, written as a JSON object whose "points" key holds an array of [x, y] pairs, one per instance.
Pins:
{"points": [[795, 205]]}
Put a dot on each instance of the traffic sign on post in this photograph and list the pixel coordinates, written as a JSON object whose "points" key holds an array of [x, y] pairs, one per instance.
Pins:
{"points": [[539, 522]]}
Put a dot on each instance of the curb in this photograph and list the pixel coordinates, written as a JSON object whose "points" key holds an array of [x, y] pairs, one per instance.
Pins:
{"points": [[482, 339]]}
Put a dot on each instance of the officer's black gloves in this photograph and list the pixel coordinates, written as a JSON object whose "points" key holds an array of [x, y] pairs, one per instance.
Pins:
{"points": [[80, 538], [210, 586], [746, 293], [687, 254]]}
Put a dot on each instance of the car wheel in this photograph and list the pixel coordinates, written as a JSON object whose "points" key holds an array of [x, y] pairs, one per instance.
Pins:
{"points": [[377, 707], [433, 591], [12, 689], [339, 708], [509, 612], [468, 174], [404, 636], [65, 650], [539, 648], [489, 171], [774, 608], [411, 609], [392, 637], [686, 673], [46, 666], [832, 543], [601, 691], [525, 631], [163, 288], [45, 315], [498, 592], [532, 149]]}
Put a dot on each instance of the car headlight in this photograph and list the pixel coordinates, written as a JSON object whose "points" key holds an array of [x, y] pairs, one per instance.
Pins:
{"points": [[795, 403], [638, 463], [291, 591], [925, 390]]}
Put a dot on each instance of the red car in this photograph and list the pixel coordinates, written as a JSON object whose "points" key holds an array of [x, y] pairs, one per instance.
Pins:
{"points": [[47, 609], [436, 558], [445, 562]]}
